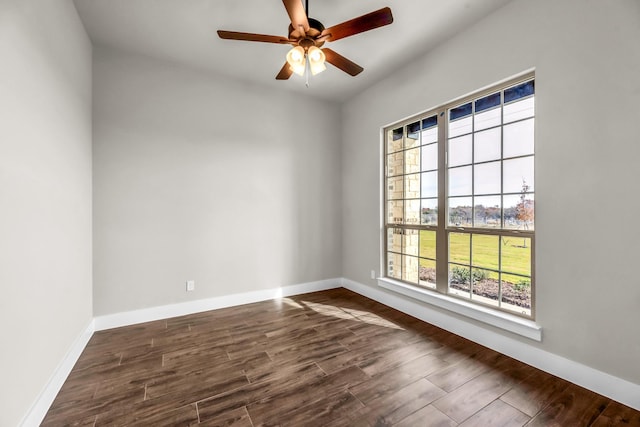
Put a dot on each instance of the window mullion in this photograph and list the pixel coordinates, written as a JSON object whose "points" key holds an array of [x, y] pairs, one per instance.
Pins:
{"points": [[442, 240]]}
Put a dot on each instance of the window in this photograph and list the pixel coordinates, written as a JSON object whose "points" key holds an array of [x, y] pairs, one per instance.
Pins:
{"points": [[459, 198]]}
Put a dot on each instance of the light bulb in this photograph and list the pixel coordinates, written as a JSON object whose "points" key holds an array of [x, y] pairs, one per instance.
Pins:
{"points": [[297, 55], [316, 60], [296, 60], [315, 54]]}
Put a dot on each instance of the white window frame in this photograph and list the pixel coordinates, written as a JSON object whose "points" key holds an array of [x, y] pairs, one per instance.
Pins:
{"points": [[440, 296]]}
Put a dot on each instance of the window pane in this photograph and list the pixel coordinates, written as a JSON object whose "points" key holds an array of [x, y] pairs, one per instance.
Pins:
{"points": [[429, 122], [413, 130], [518, 138], [430, 184], [487, 119], [394, 240], [460, 181], [460, 211], [519, 91], [430, 130], [427, 274], [427, 244], [487, 178], [460, 247], [488, 102], [487, 145], [516, 294], [519, 212], [460, 127], [460, 111], [394, 140], [395, 164], [412, 211], [412, 186], [518, 173], [516, 255], [518, 110], [430, 157], [410, 242], [430, 136], [413, 135], [429, 212], [412, 160], [484, 251], [459, 280], [395, 188], [395, 212], [487, 212], [410, 268], [485, 286], [460, 120], [394, 265], [460, 151]]}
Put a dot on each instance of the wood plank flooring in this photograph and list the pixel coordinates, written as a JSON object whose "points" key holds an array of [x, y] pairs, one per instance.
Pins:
{"points": [[330, 359]]}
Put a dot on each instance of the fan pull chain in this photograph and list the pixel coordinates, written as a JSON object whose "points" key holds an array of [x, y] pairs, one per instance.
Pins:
{"points": [[306, 72]]}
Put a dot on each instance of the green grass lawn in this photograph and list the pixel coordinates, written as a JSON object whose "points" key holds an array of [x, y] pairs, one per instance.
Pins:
{"points": [[516, 258]]}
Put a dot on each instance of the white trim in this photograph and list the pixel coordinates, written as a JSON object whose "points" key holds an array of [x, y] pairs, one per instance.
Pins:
{"points": [[600, 382], [173, 310], [499, 319], [43, 402]]}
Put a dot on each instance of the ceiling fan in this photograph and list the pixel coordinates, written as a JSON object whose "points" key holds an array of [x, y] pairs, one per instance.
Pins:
{"points": [[308, 35]]}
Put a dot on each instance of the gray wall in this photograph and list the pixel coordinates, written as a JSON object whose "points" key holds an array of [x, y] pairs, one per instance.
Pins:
{"points": [[198, 177], [45, 195], [587, 65]]}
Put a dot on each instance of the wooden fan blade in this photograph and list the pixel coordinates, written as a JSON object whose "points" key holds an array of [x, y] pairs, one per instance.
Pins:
{"points": [[285, 72], [363, 23], [250, 37], [341, 62], [297, 14]]}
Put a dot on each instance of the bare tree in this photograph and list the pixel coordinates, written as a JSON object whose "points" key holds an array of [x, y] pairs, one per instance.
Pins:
{"points": [[524, 209]]}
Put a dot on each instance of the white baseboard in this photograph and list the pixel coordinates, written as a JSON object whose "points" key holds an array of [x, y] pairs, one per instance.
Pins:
{"points": [[173, 310], [600, 382], [39, 409]]}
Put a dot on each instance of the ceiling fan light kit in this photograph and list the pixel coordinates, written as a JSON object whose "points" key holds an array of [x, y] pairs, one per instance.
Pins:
{"points": [[316, 60], [308, 35], [296, 60]]}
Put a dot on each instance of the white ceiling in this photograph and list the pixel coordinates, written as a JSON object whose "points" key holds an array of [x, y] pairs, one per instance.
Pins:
{"points": [[184, 31]]}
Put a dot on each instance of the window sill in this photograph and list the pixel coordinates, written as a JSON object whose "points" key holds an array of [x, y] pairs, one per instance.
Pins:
{"points": [[499, 319]]}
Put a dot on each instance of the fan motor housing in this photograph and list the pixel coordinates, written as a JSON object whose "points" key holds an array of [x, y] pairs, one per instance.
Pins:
{"points": [[315, 29]]}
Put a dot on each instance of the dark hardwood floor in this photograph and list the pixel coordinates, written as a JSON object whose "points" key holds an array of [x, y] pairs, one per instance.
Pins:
{"points": [[328, 359]]}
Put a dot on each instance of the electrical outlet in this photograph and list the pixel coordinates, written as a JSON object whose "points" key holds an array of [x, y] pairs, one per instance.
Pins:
{"points": [[191, 285], [373, 274]]}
